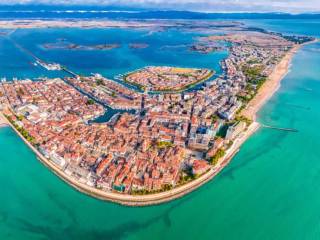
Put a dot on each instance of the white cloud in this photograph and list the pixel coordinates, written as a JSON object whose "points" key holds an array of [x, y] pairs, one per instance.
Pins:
{"points": [[199, 5]]}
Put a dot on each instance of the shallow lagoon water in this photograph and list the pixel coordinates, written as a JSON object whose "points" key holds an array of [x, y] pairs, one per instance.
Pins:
{"points": [[270, 190], [166, 48]]}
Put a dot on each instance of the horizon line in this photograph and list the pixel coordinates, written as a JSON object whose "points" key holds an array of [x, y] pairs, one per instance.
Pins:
{"points": [[148, 9]]}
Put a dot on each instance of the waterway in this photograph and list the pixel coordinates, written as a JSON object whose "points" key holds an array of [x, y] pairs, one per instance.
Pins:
{"points": [[269, 191]]}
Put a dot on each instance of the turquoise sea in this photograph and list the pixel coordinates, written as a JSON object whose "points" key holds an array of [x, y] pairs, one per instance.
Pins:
{"points": [[269, 191]]}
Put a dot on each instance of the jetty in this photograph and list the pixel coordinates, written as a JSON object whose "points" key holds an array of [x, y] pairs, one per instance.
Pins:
{"points": [[39, 61], [26, 51], [279, 128], [69, 71]]}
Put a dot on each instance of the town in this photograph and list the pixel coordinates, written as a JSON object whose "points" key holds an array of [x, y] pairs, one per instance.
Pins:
{"points": [[171, 139]]}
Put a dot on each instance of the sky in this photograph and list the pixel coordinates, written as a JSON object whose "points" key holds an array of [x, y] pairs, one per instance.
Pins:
{"points": [[294, 6]]}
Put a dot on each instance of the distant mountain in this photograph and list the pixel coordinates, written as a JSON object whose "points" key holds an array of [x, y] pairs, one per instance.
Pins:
{"points": [[44, 11]]}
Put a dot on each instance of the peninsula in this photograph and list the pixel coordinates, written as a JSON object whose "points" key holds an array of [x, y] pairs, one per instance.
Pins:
{"points": [[172, 142]]}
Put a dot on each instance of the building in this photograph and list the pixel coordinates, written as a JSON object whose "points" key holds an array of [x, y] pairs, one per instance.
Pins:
{"points": [[234, 130], [217, 144], [200, 166]]}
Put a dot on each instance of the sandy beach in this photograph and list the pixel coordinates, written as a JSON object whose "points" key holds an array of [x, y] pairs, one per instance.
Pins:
{"points": [[270, 86]]}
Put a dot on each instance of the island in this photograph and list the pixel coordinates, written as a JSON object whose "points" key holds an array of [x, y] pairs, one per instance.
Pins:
{"points": [[63, 45], [174, 141], [204, 49]]}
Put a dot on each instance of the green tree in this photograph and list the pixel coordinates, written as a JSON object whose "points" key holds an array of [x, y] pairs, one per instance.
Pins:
{"points": [[90, 102], [220, 153]]}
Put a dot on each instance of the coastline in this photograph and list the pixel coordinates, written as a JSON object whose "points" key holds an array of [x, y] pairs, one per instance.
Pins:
{"points": [[266, 91], [272, 84], [143, 200]]}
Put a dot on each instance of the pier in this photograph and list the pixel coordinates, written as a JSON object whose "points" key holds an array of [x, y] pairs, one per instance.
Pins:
{"points": [[280, 128]]}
